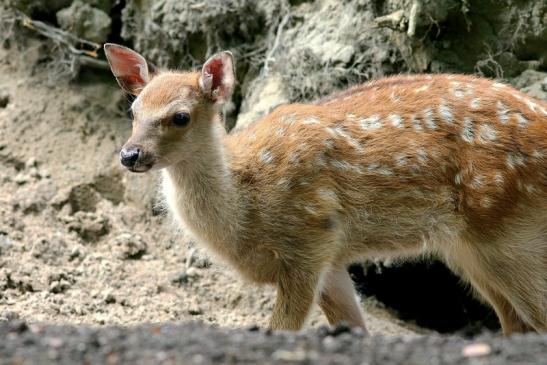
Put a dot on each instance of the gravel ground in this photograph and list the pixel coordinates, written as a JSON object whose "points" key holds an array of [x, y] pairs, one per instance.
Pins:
{"points": [[193, 343]]}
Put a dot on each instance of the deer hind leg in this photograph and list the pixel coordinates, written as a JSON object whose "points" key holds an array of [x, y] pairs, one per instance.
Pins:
{"points": [[338, 300], [512, 276], [508, 317]]}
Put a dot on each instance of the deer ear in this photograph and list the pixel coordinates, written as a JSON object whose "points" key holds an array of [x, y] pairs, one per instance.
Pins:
{"points": [[129, 67], [218, 77]]}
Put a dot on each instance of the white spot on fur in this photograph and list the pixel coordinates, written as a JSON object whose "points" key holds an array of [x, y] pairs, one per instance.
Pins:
{"points": [[384, 170], [321, 160], [486, 202], [328, 143], [416, 123], [503, 112], [531, 105], [401, 160], [468, 130], [498, 85], [521, 120], [396, 120], [514, 160], [422, 156], [396, 98], [487, 133], [346, 166], [310, 209], [327, 194], [371, 123], [446, 113], [475, 103], [372, 167], [294, 158], [458, 178], [477, 182], [288, 119], [280, 132], [429, 119], [351, 117], [339, 131], [538, 154], [530, 188], [421, 88], [331, 131], [457, 90], [283, 183], [311, 120], [266, 156], [498, 178]]}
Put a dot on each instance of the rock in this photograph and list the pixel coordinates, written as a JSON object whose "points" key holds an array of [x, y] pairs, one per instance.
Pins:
{"points": [[4, 99], [60, 282], [110, 185], [50, 249], [89, 226], [15, 280], [180, 279], [21, 178], [185, 277], [109, 298], [534, 83], [5, 243], [33, 198], [81, 197], [196, 259], [129, 246], [31, 163], [330, 47], [196, 311], [85, 21], [264, 95]]}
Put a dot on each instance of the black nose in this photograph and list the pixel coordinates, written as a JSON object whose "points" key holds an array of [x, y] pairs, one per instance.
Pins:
{"points": [[129, 157]]}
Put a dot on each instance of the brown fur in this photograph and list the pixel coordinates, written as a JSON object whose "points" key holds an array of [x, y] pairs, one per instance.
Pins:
{"points": [[297, 196]]}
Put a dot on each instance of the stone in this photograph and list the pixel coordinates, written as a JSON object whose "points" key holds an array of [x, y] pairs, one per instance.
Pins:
{"points": [[264, 95], [85, 21], [129, 246], [88, 225]]}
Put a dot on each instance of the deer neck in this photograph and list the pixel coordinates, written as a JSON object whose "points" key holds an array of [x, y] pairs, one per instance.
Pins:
{"points": [[201, 191]]}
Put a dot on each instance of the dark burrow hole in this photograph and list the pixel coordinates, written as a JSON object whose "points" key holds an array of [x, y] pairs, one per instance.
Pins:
{"points": [[428, 294]]}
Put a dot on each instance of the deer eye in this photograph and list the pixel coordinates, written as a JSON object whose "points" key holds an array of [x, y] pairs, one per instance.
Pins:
{"points": [[181, 119]]}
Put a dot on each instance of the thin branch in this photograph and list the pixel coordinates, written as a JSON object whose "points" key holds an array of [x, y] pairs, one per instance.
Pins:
{"points": [[270, 55], [73, 43]]}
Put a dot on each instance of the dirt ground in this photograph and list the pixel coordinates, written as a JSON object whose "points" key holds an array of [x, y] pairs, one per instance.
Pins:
{"points": [[192, 343], [82, 240]]}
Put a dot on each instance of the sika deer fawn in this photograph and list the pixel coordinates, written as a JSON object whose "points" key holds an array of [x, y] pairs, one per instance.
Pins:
{"points": [[449, 165]]}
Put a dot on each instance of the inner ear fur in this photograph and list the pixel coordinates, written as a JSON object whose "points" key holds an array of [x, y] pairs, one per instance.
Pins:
{"points": [[131, 70]]}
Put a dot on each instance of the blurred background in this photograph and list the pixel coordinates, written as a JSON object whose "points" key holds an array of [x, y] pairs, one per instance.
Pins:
{"points": [[81, 240]]}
